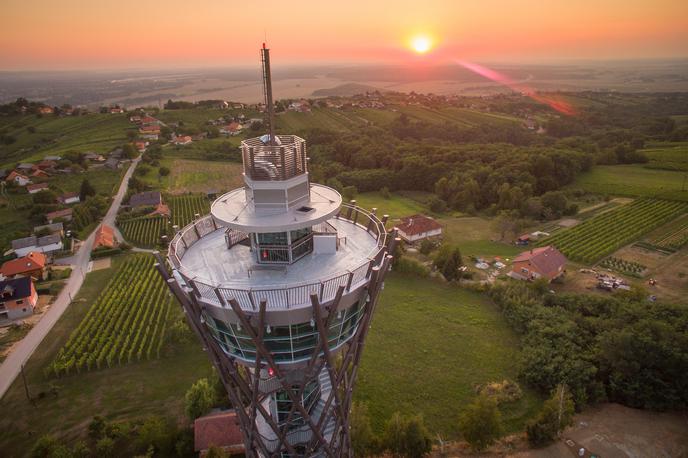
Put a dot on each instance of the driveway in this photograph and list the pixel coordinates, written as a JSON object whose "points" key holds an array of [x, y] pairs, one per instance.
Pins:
{"points": [[11, 367]]}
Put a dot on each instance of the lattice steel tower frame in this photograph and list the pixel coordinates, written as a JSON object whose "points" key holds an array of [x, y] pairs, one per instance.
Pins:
{"points": [[280, 282]]}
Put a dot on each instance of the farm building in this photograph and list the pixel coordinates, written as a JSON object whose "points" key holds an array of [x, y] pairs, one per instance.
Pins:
{"points": [[38, 187], [182, 140], [46, 244], [55, 228], [32, 265], [146, 199], [544, 262], [112, 163], [418, 227], [18, 297], [65, 214], [219, 429], [69, 198]]}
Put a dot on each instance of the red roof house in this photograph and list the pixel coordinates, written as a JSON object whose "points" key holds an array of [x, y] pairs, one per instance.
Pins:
{"points": [[219, 429], [418, 227], [38, 187], [31, 265], [105, 237], [544, 262]]}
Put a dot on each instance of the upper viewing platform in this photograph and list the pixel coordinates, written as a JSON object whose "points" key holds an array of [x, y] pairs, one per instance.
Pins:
{"points": [[277, 160]]}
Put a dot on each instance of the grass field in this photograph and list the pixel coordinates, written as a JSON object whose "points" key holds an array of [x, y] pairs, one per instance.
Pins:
{"points": [[396, 206], [634, 181], [55, 135], [121, 393], [667, 156], [429, 346], [105, 181], [203, 176], [474, 236]]}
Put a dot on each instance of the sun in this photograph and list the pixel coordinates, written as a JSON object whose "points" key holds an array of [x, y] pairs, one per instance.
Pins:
{"points": [[421, 44]]}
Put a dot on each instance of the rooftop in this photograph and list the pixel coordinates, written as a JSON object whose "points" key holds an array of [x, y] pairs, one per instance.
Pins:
{"points": [[233, 210]]}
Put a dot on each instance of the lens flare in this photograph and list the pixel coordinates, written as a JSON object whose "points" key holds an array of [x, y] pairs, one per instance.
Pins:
{"points": [[555, 102]]}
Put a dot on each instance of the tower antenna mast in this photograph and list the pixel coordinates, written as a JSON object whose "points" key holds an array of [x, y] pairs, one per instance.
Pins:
{"points": [[267, 92]]}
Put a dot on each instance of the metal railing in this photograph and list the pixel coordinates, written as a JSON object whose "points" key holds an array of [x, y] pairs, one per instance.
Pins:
{"points": [[281, 161], [281, 296]]}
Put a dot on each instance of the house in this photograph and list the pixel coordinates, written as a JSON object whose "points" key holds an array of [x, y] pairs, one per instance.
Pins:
{"points": [[105, 237], [18, 298], [94, 157], [112, 163], [219, 429], [17, 178], [544, 262], [418, 227], [45, 110], [3, 174], [69, 198], [116, 110], [65, 214], [25, 167], [38, 187], [233, 128], [140, 146], [52, 158], [46, 244], [150, 120], [32, 265], [523, 239], [146, 199], [38, 173], [162, 210], [149, 136], [150, 129], [46, 165], [182, 140], [55, 228]]}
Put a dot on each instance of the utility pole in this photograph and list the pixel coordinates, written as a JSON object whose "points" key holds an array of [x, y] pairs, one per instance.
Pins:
{"points": [[26, 386]]}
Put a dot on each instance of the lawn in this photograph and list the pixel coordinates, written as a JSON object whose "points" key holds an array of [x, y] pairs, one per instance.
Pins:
{"points": [[667, 156], [322, 118], [635, 181], [127, 392], [396, 206], [475, 236], [429, 346], [105, 181], [203, 176]]}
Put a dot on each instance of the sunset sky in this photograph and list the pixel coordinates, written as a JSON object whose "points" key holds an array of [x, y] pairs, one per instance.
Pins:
{"points": [[71, 34]]}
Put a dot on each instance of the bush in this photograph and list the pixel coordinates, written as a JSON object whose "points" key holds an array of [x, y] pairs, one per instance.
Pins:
{"points": [[481, 423], [407, 436], [199, 399], [411, 266], [426, 246], [556, 414]]}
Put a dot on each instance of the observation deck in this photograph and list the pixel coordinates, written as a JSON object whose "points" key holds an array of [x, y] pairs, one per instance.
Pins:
{"points": [[199, 255]]}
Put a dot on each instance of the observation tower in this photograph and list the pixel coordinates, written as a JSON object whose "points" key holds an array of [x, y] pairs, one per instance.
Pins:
{"points": [[279, 282]]}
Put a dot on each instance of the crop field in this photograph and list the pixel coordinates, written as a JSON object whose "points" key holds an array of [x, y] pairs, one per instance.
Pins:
{"points": [[671, 237], [623, 266], [184, 208], [145, 231], [125, 324], [634, 181], [54, 135], [603, 234]]}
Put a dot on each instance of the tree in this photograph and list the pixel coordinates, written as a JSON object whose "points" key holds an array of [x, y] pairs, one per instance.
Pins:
{"points": [[481, 423], [349, 192], [407, 437], [437, 205], [129, 151], [45, 197], [86, 190], [448, 261], [362, 438], [216, 452], [49, 447], [105, 447], [96, 427], [199, 399], [163, 171], [556, 414]]}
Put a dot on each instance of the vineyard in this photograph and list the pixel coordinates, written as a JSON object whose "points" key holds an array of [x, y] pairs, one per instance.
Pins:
{"points": [[672, 237], [144, 231], [184, 208], [631, 268], [126, 323], [605, 233]]}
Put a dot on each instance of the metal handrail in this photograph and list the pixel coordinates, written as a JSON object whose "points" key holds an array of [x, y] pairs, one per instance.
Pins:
{"points": [[284, 296]]}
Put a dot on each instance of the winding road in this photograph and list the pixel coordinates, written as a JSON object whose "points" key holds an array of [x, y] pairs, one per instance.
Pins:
{"points": [[11, 367]]}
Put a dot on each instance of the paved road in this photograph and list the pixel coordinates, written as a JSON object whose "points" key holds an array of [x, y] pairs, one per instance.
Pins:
{"points": [[10, 368]]}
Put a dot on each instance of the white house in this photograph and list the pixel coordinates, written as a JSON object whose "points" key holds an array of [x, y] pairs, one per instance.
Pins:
{"points": [[69, 198], [418, 227]]}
